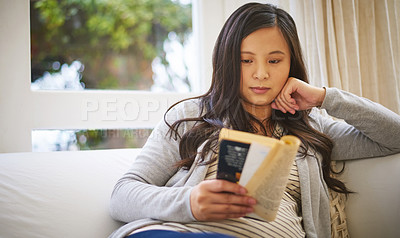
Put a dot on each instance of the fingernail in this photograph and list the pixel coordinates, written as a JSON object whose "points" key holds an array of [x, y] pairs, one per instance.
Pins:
{"points": [[242, 191], [249, 209], [252, 201]]}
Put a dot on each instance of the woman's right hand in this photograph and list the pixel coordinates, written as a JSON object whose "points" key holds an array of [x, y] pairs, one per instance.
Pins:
{"points": [[219, 199], [298, 95]]}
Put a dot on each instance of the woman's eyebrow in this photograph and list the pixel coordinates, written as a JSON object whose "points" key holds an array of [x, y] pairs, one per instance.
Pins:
{"points": [[270, 53], [247, 52], [277, 52]]}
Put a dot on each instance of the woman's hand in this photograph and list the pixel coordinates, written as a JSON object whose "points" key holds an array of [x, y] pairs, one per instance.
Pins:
{"points": [[219, 199], [298, 95]]}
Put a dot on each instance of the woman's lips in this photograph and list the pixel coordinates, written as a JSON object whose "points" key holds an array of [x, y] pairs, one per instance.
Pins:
{"points": [[259, 90]]}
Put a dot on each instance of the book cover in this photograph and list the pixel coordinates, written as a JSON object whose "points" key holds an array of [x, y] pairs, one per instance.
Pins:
{"points": [[232, 155]]}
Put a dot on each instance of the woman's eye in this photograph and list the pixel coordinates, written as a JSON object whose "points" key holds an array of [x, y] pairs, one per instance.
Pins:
{"points": [[274, 61], [246, 61]]}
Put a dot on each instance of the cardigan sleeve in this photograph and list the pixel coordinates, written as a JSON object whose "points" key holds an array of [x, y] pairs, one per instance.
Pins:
{"points": [[367, 130], [143, 191]]}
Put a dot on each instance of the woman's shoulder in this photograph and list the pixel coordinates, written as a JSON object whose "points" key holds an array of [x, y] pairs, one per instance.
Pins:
{"points": [[188, 108]]}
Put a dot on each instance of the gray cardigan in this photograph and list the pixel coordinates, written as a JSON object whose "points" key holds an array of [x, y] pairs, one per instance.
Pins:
{"points": [[153, 190]]}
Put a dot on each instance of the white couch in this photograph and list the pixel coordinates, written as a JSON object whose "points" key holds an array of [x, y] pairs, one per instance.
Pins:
{"points": [[66, 194]]}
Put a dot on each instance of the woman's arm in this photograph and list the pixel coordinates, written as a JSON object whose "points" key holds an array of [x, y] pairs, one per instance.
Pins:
{"points": [[369, 129], [141, 192], [155, 188]]}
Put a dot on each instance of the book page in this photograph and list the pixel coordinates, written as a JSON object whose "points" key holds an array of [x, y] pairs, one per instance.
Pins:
{"points": [[256, 155], [270, 179]]}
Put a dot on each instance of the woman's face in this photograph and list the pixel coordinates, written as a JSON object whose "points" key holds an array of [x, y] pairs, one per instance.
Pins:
{"points": [[265, 65]]}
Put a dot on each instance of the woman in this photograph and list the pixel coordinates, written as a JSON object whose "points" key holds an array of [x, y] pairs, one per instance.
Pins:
{"points": [[259, 85]]}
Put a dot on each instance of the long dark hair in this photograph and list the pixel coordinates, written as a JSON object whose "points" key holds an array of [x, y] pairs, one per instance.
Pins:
{"points": [[222, 106]]}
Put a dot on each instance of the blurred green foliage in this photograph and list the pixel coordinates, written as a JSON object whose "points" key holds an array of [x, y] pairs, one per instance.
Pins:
{"points": [[101, 33], [111, 138]]}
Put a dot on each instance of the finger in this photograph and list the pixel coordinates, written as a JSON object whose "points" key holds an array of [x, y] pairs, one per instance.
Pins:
{"points": [[213, 215], [217, 192], [284, 103], [274, 106], [287, 98], [287, 91], [225, 192], [210, 210], [282, 97], [220, 185], [289, 108], [228, 209], [279, 105], [230, 198]]}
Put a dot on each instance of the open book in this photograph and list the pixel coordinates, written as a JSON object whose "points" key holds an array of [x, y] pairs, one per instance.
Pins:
{"points": [[261, 164]]}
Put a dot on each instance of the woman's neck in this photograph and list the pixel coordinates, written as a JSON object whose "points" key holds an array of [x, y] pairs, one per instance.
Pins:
{"points": [[262, 112]]}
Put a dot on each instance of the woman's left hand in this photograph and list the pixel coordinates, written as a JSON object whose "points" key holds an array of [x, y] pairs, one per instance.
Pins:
{"points": [[297, 95]]}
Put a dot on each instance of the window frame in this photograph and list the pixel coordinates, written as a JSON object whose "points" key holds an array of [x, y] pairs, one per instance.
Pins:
{"points": [[24, 110]]}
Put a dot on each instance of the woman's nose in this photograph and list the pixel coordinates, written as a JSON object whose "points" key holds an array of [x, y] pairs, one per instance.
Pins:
{"points": [[261, 72]]}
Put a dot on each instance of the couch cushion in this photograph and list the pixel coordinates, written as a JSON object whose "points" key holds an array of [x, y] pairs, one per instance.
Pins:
{"points": [[60, 194]]}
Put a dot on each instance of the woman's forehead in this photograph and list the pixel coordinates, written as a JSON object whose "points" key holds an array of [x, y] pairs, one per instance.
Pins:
{"points": [[269, 40]]}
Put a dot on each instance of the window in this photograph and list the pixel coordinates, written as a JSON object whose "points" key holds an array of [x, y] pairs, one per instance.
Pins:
{"points": [[117, 45], [25, 111], [136, 45]]}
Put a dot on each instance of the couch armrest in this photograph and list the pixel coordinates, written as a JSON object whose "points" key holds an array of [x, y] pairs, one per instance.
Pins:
{"points": [[374, 211]]}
